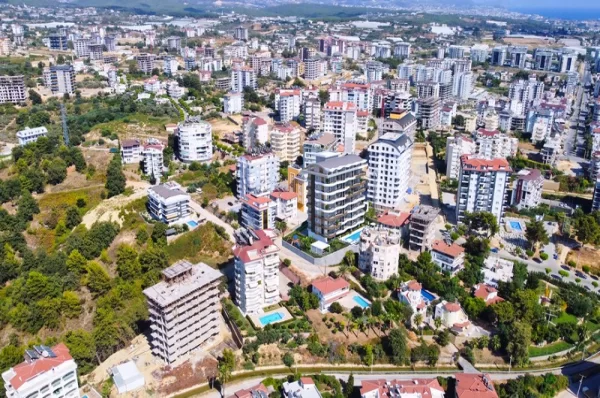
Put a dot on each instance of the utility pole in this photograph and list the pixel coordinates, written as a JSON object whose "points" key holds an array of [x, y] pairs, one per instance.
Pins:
{"points": [[510, 364]]}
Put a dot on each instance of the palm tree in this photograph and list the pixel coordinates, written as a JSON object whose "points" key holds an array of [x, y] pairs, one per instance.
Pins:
{"points": [[418, 320]]}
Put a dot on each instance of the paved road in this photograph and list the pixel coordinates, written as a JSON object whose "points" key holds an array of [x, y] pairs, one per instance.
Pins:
{"points": [[593, 383]]}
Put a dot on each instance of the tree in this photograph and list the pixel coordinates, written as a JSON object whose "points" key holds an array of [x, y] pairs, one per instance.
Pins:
{"points": [[519, 342], [35, 98], [482, 220], [398, 347], [587, 229], [437, 322], [323, 96], [115, 179], [82, 348], [56, 172], [159, 233], [336, 308], [27, 207], [443, 338], [503, 312], [418, 320], [98, 280], [225, 367], [76, 263], [349, 386], [536, 233], [281, 225], [128, 265], [474, 306], [288, 359], [368, 355], [72, 217], [71, 304]]}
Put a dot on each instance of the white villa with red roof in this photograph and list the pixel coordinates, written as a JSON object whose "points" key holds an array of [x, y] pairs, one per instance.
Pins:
{"points": [[416, 388], [46, 371], [411, 295], [303, 388], [452, 316], [474, 386], [449, 258], [329, 290], [487, 293]]}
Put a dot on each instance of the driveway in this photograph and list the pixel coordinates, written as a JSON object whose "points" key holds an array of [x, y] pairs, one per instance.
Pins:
{"points": [[203, 213]]}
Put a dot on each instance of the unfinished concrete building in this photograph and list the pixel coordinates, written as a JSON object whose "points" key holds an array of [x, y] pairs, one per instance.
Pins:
{"points": [[421, 227], [184, 309]]}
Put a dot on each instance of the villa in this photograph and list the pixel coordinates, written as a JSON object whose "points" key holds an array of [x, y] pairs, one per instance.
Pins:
{"points": [[487, 293], [329, 290], [452, 316], [449, 258], [303, 388], [411, 294], [497, 270], [416, 388]]}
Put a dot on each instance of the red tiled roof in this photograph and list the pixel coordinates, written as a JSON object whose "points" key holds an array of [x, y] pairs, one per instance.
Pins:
{"points": [[27, 370], [340, 105], [452, 250], [452, 307], [248, 393], [488, 133], [473, 163], [329, 285], [414, 285], [394, 220], [259, 122], [285, 195], [130, 142], [417, 387], [307, 380], [474, 386], [362, 113], [263, 242]]}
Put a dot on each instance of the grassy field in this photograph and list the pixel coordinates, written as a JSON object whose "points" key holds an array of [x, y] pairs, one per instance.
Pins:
{"points": [[202, 244], [549, 349], [566, 318]]}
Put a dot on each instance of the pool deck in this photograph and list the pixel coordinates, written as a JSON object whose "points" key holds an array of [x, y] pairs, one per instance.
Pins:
{"points": [[255, 318], [352, 242], [509, 227], [348, 300]]}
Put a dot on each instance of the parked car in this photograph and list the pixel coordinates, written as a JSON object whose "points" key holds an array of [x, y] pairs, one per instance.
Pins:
{"points": [[494, 250], [565, 267], [557, 277]]}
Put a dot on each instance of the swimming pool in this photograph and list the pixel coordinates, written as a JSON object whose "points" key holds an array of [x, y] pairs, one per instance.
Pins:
{"points": [[427, 296], [361, 302], [192, 224], [515, 225], [271, 318], [353, 238]]}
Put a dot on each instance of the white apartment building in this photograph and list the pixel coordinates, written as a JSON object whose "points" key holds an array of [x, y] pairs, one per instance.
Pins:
{"points": [[242, 77], [170, 65], [312, 114], [336, 203], [379, 250], [233, 103], [184, 309], [12, 89], [287, 204], [428, 112], [60, 79], [494, 144], [288, 105], [324, 142], [373, 71], [457, 146], [389, 170], [479, 52], [257, 174], [340, 119], [401, 50], [82, 47], [257, 274], [96, 51], [361, 95], [194, 140], [450, 258], [152, 85], [131, 151], [168, 203], [482, 185], [174, 90], [285, 142], [45, 372], [527, 189], [29, 135], [312, 68], [153, 159], [255, 132], [462, 85], [258, 212]]}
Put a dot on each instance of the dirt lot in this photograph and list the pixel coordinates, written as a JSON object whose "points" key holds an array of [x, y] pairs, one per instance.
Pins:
{"points": [[530, 42], [326, 334], [108, 210], [585, 256], [220, 127]]}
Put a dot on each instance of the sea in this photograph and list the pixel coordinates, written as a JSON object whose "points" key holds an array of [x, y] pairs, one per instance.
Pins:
{"points": [[561, 13]]}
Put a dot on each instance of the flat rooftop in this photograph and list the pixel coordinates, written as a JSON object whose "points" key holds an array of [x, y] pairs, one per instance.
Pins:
{"points": [[192, 277]]}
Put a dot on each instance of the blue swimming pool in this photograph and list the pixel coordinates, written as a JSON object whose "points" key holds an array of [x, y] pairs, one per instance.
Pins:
{"points": [[271, 318], [361, 302], [192, 224], [427, 296], [353, 238], [515, 225]]}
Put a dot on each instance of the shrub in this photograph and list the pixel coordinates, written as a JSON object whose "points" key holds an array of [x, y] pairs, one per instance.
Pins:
{"points": [[544, 256], [529, 253], [563, 273], [586, 269], [336, 308], [594, 283], [572, 263]]}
